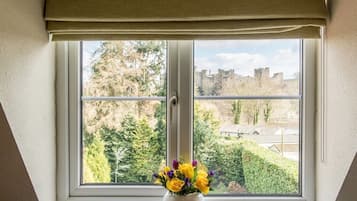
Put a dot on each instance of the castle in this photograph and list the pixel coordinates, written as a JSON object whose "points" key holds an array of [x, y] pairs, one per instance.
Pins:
{"points": [[220, 82]]}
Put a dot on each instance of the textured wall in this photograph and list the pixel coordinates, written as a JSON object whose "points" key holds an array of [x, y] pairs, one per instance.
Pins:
{"points": [[341, 98], [27, 89]]}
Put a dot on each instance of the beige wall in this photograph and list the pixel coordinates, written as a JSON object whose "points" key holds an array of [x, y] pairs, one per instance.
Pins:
{"points": [[341, 98], [27, 93], [27, 88]]}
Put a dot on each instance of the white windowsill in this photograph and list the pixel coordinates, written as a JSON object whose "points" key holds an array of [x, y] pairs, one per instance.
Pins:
{"points": [[206, 199]]}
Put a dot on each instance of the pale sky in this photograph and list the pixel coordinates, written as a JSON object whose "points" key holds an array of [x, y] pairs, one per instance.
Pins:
{"points": [[241, 55], [245, 55]]}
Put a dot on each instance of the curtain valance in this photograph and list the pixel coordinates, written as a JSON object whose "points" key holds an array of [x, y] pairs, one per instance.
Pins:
{"points": [[179, 19]]}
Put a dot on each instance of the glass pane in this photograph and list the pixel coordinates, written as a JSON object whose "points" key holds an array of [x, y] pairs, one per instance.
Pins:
{"points": [[124, 68], [123, 142], [253, 145], [247, 67]]}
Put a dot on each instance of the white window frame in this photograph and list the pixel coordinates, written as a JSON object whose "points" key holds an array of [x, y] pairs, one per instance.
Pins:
{"points": [[180, 60]]}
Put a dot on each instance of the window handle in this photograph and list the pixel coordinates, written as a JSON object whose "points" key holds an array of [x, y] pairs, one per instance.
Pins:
{"points": [[173, 101]]}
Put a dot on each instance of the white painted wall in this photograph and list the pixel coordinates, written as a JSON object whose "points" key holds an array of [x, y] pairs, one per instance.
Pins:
{"points": [[27, 89], [341, 99]]}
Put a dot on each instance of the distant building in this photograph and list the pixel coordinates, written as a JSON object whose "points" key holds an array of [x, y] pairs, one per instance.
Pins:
{"points": [[208, 83], [262, 73]]}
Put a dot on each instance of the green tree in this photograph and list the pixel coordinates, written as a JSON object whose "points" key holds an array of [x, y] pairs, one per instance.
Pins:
{"points": [[123, 68], [134, 152], [96, 166], [145, 145], [206, 134], [118, 148], [217, 153], [256, 114], [267, 111], [88, 176], [160, 129], [252, 111], [237, 110]]}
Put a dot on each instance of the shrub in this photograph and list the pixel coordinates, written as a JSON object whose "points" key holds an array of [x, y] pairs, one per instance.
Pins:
{"points": [[232, 166], [225, 159], [267, 172]]}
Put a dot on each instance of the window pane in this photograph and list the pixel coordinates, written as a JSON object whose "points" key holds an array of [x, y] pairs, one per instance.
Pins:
{"points": [[252, 144], [124, 68], [247, 67], [123, 141]]}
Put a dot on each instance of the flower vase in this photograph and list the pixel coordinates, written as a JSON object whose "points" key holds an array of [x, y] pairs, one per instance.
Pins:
{"points": [[190, 197]]}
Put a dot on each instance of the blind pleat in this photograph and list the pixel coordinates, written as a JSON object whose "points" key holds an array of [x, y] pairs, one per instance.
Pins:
{"points": [[305, 32], [177, 19]]}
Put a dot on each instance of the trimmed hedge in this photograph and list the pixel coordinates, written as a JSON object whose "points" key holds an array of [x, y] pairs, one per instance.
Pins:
{"points": [[267, 172], [255, 168], [227, 161]]}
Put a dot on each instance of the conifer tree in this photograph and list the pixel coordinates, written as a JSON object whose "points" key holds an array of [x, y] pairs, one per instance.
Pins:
{"points": [[118, 148], [145, 162], [96, 166]]}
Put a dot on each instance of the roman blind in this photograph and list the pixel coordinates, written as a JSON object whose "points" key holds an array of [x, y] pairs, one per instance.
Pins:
{"points": [[180, 19]]}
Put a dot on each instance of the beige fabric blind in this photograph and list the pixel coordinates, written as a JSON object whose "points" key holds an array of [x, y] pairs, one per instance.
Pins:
{"points": [[180, 19]]}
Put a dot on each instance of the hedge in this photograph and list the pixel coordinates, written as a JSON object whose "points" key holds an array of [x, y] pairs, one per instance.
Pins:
{"points": [[267, 172], [227, 161]]}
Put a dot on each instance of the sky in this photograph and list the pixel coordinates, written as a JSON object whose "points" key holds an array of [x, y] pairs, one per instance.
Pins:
{"points": [[89, 48], [243, 56]]}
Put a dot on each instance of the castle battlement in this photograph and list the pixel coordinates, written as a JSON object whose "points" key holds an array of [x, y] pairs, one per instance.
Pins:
{"points": [[213, 83]]}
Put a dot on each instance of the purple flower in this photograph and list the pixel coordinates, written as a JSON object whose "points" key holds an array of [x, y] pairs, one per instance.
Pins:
{"points": [[211, 173], [187, 182], [170, 173], [194, 163], [155, 175], [175, 164]]}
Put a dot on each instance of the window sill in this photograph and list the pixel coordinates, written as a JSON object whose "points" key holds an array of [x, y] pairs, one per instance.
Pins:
{"points": [[206, 199]]}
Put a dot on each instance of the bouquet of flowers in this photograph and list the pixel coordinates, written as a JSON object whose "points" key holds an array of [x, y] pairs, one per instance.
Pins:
{"points": [[185, 178]]}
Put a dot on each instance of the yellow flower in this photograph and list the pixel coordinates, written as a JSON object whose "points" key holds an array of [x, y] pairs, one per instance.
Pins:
{"points": [[202, 173], [202, 184], [187, 170], [174, 185], [157, 181], [167, 169], [161, 174]]}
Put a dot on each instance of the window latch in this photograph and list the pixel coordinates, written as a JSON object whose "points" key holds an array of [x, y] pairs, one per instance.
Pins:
{"points": [[173, 101]]}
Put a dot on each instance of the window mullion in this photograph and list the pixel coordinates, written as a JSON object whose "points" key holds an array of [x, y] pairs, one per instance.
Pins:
{"points": [[172, 86], [185, 106], [309, 59]]}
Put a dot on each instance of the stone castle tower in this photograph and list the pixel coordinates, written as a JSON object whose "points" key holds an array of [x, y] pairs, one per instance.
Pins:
{"points": [[262, 73]]}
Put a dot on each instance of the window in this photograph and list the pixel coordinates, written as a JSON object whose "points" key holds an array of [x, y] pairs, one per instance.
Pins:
{"points": [[244, 108], [247, 114], [123, 117]]}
